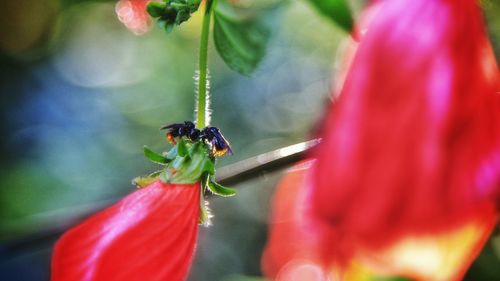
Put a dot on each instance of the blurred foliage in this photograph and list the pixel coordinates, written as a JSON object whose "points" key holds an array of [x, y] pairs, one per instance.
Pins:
{"points": [[80, 96], [241, 35], [486, 267], [337, 10], [170, 13], [492, 12]]}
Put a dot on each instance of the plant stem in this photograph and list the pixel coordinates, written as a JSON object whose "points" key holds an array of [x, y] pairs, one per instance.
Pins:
{"points": [[203, 68]]}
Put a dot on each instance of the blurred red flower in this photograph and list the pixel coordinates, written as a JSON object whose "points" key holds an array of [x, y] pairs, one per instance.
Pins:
{"points": [[407, 176], [149, 235], [293, 248], [133, 14]]}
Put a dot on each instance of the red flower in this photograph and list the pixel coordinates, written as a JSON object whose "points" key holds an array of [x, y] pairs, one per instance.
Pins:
{"points": [[134, 15], [292, 250], [148, 235], [408, 172]]}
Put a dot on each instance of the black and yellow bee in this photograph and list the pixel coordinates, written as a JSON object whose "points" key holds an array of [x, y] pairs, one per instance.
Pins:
{"points": [[211, 135]]}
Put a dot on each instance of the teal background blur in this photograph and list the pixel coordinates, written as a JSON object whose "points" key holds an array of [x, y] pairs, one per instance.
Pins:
{"points": [[80, 95]]}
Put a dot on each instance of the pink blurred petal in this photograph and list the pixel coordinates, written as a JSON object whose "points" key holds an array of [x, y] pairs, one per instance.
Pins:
{"points": [[292, 249], [133, 14], [407, 177], [411, 145]]}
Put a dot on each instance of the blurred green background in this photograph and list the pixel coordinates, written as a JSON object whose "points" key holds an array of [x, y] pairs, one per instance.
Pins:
{"points": [[80, 96]]}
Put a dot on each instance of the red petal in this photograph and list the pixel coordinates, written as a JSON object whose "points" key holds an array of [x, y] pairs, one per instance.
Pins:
{"points": [[297, 239], [413, 144], [294, 237], [148, 235], [133, 14]]}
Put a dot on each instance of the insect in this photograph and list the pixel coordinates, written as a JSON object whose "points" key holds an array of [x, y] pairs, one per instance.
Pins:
{"points": [[186, 129], [211, 135]]}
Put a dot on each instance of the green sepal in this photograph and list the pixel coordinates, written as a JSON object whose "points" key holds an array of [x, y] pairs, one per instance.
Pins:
{"points": [[190, 163], [220, 190], [156, 9], [182, 148], [187, 163], [172, 153], [143, 181], [182, 16], [155, 157], [170, 13], [205, 215], [204, 182], [168, 27]]}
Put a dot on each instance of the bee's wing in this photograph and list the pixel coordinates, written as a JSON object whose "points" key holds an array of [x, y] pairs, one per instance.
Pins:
{"points": [[172, 126], [222, 141]]}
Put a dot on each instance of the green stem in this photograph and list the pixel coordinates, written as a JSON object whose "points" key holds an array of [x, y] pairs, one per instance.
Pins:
{"points": [[203, 65]]}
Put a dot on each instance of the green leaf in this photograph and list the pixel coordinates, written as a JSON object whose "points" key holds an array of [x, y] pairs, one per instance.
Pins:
{"points": [[155, 157], [336, 10], [220, 190], [241, 38]]}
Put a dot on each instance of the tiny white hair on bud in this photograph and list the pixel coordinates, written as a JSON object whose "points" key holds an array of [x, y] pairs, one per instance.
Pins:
{"points": [[208, 111]]}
